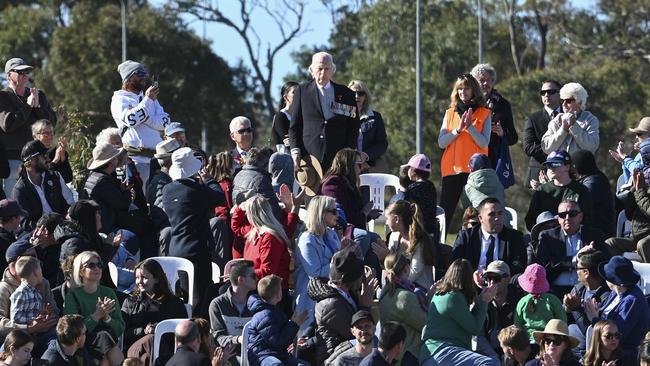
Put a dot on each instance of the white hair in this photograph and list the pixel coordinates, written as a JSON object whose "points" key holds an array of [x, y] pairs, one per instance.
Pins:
{"points": [[234, 124], [481, 69], [105, 135], [325, 56], [576, 91]]}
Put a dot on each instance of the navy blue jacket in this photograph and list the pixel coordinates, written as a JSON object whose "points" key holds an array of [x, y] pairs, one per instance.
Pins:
{"points": [[468, 246], [189, 206], [55, 356], [269, 333]]}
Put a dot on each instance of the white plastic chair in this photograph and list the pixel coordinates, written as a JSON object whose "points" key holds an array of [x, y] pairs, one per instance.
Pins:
{"points": [[440, 215], [216, 273], [302, 214], [244, 345], [644, 271], [112, 269], [171, 266], [633, 256], [513, 220], [623, 225], [377, 183], [165, 326]]}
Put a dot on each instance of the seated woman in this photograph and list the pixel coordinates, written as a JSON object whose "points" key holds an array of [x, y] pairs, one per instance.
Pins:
{"points": [[605, 346], [450, 322], [555, 345], [400, 302], [17, 347], [341, 183], [99, 306], [151, 302]]}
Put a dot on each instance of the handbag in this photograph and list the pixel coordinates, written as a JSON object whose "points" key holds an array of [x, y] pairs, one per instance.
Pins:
{"points": [[505, 170]]}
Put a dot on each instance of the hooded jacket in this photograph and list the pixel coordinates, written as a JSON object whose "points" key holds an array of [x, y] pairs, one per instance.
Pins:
{"points": [[482, 184], [269, 333]]}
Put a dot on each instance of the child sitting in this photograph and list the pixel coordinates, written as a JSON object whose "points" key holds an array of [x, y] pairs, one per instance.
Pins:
{"points": [[270, 332], [535, 309], [422, 192]]}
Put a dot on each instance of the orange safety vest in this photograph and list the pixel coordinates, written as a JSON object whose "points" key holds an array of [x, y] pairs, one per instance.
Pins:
{"points": [[456, 157]]}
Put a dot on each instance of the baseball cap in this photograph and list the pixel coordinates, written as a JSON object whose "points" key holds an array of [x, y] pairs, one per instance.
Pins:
{"points": [[17, 64], [360, 315], [498, 267], [174, 127], [419, 162], [19, 248], [557, 158]]}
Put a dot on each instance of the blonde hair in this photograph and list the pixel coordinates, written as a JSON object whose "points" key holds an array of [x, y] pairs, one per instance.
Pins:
{"points": [[260, 215], [77, 266], [469, 81], [315, 220], [358, 85], [268, 286]]}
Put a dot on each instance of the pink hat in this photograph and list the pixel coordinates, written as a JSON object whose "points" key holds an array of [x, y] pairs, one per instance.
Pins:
{"points": [[419, 162], [533, 280]]}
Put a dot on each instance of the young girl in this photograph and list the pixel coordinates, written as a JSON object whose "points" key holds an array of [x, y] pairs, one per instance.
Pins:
{"points": [[605, 346], [535, 310], [422, 192]]}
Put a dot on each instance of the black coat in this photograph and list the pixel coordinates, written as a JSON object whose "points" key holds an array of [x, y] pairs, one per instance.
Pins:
{"points": [[534, 128], [137, 312], [312, 134], [468, 246], [185, 356], [29, 200], [602, 197], [501, 112], [106, 190], [551, 250], [6, 238], [280, 128], [55, 356], [374, 141]]}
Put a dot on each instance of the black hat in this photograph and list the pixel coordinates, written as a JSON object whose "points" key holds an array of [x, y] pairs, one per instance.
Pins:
{"points": [[619, 271], [10, 208], [18, 248], [345, 267], [32, 149], [360, 315]]}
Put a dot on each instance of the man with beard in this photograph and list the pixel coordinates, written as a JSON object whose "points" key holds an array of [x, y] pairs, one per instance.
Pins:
{"points": [[39, 190], [363, 330], [138, 115]]}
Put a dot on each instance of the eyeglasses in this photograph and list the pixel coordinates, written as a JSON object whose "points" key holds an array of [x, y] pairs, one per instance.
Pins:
{"points": [[21, 72], [554, 341], [360, 93], [548, 92], [610, 336], [46, 133], [333, 211], [245, 130], [568, 100], [572, 213], [93, 265]]}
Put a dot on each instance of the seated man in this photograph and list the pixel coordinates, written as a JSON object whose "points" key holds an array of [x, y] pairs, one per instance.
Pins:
{"points": [[229, 311], [391, 344], [68, 348], [558, 247], [363, 330], [10, 217], [491, 240], [188, 343], [515, 345], [43, 131], [48, 250]]}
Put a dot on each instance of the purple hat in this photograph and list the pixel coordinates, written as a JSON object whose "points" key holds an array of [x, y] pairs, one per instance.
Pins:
{"points": [[419, 162], [478, 161], [557, 158], [533, 280]]}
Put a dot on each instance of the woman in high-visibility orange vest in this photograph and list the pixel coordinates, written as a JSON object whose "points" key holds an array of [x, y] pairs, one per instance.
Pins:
{"points": [[465, 131]]}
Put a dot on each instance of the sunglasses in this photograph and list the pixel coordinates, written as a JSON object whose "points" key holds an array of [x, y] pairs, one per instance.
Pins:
{"points": [[492, 277], [568, 100], [245, 130], [360, 93], [93, 265], [548, 92], [554, 341], [21, 72], [572, 213], [610, 336]]}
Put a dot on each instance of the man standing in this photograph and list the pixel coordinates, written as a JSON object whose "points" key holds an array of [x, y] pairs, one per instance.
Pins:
{"points": [[241, 132], [325, 117], [503, 128], [188, 342], [20, 106], [138, 114], [536, 126]]}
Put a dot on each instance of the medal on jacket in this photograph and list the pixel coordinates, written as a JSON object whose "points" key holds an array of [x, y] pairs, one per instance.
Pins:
{"points": [[343, 109]]}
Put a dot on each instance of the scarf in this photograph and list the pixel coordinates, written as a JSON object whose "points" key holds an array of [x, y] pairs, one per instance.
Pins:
{"points": [[462, 107], [406, 284]]}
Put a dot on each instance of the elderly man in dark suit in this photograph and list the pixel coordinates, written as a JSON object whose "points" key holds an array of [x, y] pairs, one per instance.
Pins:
{"points": [[491, 240], [325, 117], [536, 126], [558, 247], [188, 341]]}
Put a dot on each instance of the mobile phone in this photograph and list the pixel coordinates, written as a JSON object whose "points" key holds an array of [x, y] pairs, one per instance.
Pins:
{"points": [[154, 80]]}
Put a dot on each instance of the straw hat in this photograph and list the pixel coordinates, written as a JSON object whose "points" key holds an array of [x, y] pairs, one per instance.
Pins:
{"points": [[103, 153], [556, 327], [309, 174]]}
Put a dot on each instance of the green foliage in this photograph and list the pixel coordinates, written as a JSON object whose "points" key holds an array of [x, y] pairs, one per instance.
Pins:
{"points": [[80, 141], [24, 32]]}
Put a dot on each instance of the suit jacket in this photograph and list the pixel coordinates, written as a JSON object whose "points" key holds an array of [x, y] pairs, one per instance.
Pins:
{"points": [[551, 250], [534, 128], [468, 246], [185, 356], [314, 135]]}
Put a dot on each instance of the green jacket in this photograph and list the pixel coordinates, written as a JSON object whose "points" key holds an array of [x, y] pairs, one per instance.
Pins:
{"points": [[548, 307], [77, 301], [404, 307], [548, 196]]}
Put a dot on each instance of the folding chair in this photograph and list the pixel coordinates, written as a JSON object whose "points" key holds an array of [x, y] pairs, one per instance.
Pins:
{"points": [[377, 183], [165, 326], [216, 273], [644, 271], [513, 218], [171, 266]]}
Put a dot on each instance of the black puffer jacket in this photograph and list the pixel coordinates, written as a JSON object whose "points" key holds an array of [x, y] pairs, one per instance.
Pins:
{"points": [[138, 311], [113, 201]]}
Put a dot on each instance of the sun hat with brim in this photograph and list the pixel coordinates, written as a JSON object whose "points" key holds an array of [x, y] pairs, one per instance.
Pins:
{"points": [[543, 222], [643, 127], [309, 174], [533, 280], [619, 271], [103, 153], [184, 164], [556, 327], [165, 148], [16, 64]]}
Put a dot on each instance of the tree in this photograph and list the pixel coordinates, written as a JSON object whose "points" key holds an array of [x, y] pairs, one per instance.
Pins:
{"points": [[288, 17]]}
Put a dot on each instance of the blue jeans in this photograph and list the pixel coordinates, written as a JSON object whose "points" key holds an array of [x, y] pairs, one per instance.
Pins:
{"points": [[448, 355], [291, 361]]}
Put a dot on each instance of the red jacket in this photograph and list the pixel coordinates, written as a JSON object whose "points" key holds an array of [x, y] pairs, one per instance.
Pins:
{"points": [[269, 254], [223, 211]]}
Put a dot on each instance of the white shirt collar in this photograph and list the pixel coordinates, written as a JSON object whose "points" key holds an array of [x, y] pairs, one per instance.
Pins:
{"points": [[327, 86]]}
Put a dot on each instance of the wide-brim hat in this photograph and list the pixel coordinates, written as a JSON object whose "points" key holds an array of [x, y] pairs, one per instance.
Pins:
{"points": [[619, 271], [309, 174], [184, 164], [533, 280], [103, 153], [556, 327], [165, 148], [542, 223], [643, 127]]}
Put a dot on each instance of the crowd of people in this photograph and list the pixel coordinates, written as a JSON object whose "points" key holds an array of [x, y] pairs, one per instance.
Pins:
{"points": [[302, 279]]}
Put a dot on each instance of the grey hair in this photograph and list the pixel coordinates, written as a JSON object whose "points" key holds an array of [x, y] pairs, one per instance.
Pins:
{"points": [[315, 219], [39, 125], [260, 215], [325, 55], [234, 123], [105, 135], [577, 91], [480, 69]]}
